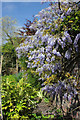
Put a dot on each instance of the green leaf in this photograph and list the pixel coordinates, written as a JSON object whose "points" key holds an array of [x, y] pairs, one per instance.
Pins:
{"points": [[52, 116], [46, 100]]}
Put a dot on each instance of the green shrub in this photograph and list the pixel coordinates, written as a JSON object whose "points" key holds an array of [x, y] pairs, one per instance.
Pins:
{"points": [[42, 117], [50, 116], [9, 58], [32, 78], [18, 98], [17, 76]]}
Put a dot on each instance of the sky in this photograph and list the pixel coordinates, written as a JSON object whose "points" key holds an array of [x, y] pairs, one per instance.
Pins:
{"points": [[22, 10]]}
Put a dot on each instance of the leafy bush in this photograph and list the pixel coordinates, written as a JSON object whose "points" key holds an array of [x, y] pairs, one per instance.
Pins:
{"points": [[29, 74], [18, 98], [9, 58], [17, 77], [33, 79]]}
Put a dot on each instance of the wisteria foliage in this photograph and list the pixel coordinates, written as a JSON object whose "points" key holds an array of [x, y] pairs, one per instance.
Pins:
{"points": [[47, 51]]}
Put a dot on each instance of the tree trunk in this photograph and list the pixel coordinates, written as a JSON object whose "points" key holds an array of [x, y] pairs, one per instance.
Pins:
{"points": [[16, 65], [1, 117], [1, 64]]}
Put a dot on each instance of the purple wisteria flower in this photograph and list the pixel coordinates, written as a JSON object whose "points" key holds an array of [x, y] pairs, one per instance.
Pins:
{"points": [[69, 11], [48, 60], [48, 55], [56, 53], [56, 26], [41, 56], [65, 96], [68, 37], [68, 54], [43, 51], [53, 58], [76, 40]]}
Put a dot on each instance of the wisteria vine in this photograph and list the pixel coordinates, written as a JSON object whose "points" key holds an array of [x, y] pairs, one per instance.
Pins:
{"points": [[49, 51]]}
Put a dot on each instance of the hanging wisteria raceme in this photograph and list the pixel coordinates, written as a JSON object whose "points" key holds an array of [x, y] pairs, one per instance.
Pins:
{"points": [[51, 45], [60, 88]]}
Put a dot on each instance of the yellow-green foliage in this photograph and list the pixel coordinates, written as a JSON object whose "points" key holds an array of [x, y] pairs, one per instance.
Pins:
{"points": [[18, 98]]}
